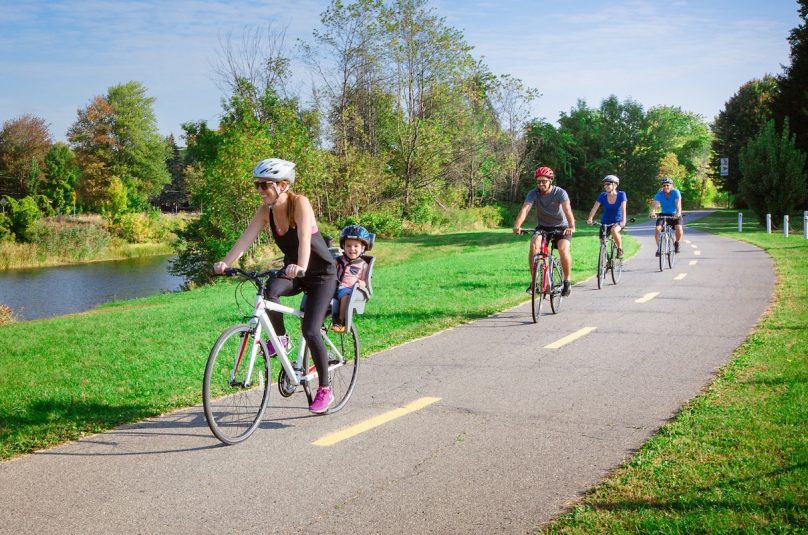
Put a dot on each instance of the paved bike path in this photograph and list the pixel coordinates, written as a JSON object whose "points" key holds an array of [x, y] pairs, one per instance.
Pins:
{"points": [[519, 431]]}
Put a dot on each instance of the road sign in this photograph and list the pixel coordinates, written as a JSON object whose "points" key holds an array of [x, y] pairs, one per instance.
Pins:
{"points": [[724, 166]]}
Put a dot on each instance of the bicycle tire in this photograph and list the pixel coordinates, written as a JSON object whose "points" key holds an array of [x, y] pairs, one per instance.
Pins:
{"points": [[616, 264], [661, 251], [556, 286], [535, 284], [671, 252], [233, 409], [602, 264], [343, 378]]}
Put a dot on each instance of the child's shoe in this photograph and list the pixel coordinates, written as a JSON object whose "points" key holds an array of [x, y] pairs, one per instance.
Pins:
{"points": [[338, 328]]}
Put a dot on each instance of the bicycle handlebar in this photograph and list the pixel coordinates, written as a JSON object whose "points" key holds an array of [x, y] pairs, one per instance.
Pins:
{"points": [[255, 275]]}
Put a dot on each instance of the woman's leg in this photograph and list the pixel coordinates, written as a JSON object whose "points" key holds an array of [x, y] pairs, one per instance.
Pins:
{"points": [[319, 295], [277, 288]]}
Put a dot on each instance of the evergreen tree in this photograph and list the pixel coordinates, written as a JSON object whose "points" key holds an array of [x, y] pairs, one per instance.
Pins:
{"points": [[792, 101], [773, 178], [739, 122]]}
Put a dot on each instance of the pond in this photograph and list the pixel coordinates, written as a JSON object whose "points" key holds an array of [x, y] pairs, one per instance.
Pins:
{"points": [[54, 291]]}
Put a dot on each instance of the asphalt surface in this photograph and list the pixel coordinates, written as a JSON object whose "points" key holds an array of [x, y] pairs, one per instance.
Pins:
{"points": [[518, 433]]}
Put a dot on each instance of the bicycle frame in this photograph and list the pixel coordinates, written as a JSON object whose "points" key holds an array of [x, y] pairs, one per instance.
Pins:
{"points": [[260, 321]]}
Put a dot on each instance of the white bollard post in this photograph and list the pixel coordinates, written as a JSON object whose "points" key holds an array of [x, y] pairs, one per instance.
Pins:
{"points": [[785, 226], [740, 221], [768, 223], [805, 225]]}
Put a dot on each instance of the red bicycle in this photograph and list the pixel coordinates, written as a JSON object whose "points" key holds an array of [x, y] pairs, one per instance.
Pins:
{"points": [[547, 280]]}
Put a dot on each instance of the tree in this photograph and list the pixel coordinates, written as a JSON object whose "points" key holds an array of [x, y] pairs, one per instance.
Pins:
{"points": [[61, 176], [221, 178], [24, 142], [511, 101], [792, 100], [120, 152], [739, 122], [685, 139], [175, 194], [773, 177], [426, 62]]}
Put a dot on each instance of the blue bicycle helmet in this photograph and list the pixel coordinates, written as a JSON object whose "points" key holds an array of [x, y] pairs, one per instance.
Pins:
{"points": [[357, 232]]}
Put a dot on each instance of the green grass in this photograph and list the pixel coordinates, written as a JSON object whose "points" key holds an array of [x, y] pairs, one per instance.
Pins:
{"points": [[65, 377], [735, 460]]}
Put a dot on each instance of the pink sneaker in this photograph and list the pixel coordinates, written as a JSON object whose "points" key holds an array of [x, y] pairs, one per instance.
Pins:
{"points": [[322, 400], [284, 338]]}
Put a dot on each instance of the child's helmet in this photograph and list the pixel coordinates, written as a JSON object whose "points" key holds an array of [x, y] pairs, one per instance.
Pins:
{"points": [[357, 232], [275, 169]]}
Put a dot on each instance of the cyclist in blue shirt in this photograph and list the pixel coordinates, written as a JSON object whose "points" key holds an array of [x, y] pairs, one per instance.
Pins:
{"points": [[668, 202], [614, 210]]}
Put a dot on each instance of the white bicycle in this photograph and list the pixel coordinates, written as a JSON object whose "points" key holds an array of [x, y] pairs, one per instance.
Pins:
{"points": [[235, 390]]}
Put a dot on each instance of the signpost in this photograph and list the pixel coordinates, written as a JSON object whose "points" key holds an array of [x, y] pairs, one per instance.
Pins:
{"points": [[724, 169]]}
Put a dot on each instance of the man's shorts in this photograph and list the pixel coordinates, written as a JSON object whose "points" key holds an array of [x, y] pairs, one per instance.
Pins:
{"points": [[555, 233], [672, 221]]}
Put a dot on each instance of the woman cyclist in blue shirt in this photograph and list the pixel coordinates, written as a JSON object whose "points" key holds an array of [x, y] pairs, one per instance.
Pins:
{"points": [[614, 210]]}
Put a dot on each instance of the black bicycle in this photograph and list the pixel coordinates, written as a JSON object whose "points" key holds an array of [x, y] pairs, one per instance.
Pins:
{"points": [[608, 260], [665, 248]]}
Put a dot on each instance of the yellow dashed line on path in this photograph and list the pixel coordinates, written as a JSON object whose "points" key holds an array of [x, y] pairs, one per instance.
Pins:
{"points": [[647, 297], [694, 246], [567, 339], [680, 276], [376, 421], [697, 253], [692, 262]]}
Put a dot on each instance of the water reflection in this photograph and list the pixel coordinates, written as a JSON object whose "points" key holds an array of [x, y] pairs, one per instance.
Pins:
{"points": [[53, 291]]}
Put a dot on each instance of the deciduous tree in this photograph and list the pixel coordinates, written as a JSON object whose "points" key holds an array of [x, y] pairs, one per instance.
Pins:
{"points": [[24, 142]]}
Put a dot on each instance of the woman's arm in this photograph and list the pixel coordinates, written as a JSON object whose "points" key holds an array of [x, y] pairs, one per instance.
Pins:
{"points": [[592, 212], [623, 208], [304, 220]]}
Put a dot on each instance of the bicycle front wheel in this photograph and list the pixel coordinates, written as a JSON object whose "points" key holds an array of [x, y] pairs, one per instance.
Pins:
{"points": [[343, 367], [235, 396], [601, 265], [661, 251], [536, 285], [616, 264], [671, 252], [556, 286]]}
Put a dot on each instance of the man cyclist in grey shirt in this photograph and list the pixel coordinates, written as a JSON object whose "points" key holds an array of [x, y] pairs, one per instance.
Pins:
{"points": [[555, 216]]}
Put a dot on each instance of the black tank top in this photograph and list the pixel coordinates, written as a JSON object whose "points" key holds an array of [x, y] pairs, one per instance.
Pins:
{"points": [[321, 261]]}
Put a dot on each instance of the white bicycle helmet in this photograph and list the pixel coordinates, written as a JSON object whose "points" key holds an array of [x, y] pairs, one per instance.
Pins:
{"points": [[612, 179], [275, 169]]}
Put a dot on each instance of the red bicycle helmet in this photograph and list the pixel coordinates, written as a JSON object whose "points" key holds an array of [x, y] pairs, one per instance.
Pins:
{"points": [[545, 172]]}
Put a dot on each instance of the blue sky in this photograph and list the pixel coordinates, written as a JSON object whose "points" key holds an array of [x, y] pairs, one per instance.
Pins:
{"points": [[56, 55]]}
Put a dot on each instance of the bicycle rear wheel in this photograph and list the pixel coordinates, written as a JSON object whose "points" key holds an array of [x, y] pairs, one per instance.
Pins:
{"points": [[556, 284], [602, 264], [536, 285], [615, 263], [342, 371], [234, 406]]}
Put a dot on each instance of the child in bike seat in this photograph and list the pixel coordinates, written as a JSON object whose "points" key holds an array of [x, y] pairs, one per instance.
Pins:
{"points": [[352, 269]]}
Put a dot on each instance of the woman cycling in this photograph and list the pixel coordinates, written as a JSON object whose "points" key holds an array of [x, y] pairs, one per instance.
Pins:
{"points": [[614, 210], [308, 264]]}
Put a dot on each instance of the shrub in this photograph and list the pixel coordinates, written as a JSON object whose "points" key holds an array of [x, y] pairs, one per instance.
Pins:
{"points": [[6, 315], [75, 240]]}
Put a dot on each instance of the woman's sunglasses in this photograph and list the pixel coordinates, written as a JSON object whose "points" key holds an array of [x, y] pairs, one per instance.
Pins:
{"points": [[262, 185]]}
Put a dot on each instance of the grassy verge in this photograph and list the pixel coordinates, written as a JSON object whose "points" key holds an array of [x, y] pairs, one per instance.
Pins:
{"points": [[68, 376], [735, 460]]}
